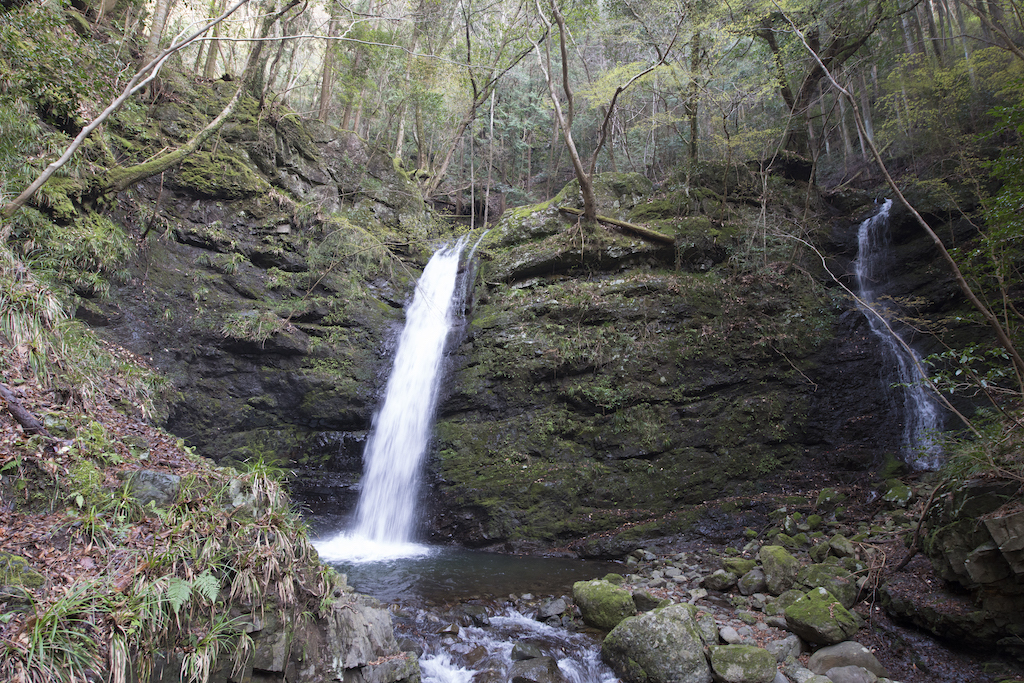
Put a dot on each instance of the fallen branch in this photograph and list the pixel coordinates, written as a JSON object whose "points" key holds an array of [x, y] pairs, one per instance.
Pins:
{"points": [[26, 419], [639, 230]]}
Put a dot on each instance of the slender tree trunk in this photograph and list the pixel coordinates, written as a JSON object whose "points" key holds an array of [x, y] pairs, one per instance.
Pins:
{"points": [[161, 8], [490, 166], [934, 38], [694, 94], [904, 23], [327, 77], [213, 50]]}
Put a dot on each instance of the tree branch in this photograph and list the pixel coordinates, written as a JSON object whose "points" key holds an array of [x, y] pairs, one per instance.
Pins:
{"points": [[141, 78]]}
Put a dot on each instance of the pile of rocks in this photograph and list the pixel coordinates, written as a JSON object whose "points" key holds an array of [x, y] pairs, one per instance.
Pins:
{"points": [[746, 621]]}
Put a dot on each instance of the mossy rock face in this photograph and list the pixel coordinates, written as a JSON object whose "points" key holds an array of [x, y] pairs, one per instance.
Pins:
{"points": [[219, 176], [270, 302], [602, 603], [589, 397], [16, 571]]}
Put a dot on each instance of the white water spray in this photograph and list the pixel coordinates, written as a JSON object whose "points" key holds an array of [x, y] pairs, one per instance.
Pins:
{"points": [[386, 512], [922, 418]]}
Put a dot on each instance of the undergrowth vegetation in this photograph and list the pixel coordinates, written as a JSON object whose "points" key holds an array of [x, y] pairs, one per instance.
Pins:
{"points": [[146, 586]]}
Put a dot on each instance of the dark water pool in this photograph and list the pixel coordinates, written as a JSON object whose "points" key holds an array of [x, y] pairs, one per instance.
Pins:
{"points": [[444, 575]]}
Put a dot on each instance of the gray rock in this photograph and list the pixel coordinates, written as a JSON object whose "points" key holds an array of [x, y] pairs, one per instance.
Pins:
{"points": [[847, 653], [753, 582], [730, 635], [664, 646], [780, 568], [840, 546], [539, 670], [850, 674], [708, 628], [522, 651], [477, 614], [785, 648], [644, 601], [799, 673], [780, 678], [721, 580], [742, 664], [551, 608], [160, 488]]}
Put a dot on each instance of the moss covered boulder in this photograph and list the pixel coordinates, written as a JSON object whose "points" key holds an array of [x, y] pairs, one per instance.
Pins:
{"points": [[818, 617], [663, 646], [834, 578], [742, 664], [16, 571], [780, 568], [603, 604]]}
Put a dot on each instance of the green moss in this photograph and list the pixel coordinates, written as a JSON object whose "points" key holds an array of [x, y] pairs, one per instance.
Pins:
{"points": [[602, 603], [220, 176], [85, 484], [16, 571]]}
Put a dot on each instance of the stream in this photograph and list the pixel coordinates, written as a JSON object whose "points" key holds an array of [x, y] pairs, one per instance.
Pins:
{"points": [[465, 611]]}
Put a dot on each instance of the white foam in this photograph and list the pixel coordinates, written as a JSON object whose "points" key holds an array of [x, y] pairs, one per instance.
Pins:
{"points": [[348, 547]]}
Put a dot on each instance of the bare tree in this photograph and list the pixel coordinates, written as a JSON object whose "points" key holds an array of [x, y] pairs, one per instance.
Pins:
{"points": [[564, 115]]}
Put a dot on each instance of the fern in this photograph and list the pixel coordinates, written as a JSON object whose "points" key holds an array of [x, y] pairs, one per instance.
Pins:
{"points": [[178, 593], [207, 585]]}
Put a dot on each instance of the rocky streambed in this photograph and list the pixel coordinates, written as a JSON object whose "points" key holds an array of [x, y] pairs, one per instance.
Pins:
{"points": [[798, 602]]}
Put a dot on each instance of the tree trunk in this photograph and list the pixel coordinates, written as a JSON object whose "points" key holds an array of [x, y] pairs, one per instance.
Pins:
{"points": [[694, 94], [327, 77], [161, 8], [254, 75], [213, 50]]}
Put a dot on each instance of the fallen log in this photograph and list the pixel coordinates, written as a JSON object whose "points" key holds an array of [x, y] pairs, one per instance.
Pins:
{"points": [[26, 419], [639, 230]]}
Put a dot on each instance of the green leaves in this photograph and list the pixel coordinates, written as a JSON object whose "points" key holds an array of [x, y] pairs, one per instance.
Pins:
{"points": [[180, 591]]}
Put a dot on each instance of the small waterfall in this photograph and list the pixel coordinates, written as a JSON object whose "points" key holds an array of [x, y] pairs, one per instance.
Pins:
{"points": [[386, 512], [486, 653], [922, 417]]}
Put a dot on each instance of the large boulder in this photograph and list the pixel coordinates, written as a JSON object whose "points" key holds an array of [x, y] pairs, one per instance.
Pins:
{"points": [[742, 664], [832, 577], [603, 604], [819, 617], [780, 568], [663, 646], [151, 486]]}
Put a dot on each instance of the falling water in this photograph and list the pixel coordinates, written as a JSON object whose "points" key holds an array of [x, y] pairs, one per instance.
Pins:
{"points": [[922, 418], [386, 512]]}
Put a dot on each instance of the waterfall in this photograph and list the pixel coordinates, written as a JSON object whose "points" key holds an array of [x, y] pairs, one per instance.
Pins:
{"points": [[386, 512], [922, 417]]}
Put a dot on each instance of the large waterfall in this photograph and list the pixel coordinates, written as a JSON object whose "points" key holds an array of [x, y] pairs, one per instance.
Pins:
{"points": [[386, 513], [922, 417]]}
